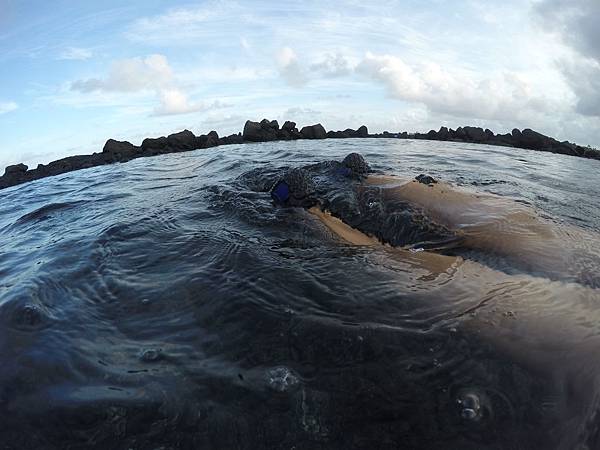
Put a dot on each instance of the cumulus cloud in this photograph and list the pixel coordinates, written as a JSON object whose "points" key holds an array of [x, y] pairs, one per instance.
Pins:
{"points": [[332, 65], [290, 69], [460, 94], [151, 74], [6, 107], [75, 54], [130, 75], [174, 101], [576, 22]]}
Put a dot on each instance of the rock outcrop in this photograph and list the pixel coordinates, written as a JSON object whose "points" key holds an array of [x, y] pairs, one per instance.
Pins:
{"points": [[313, 132], [15, 169], [262, 131], [269, 130]]}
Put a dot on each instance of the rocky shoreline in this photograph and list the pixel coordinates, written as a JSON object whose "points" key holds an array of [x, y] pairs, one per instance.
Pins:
{"points": [[269, 130]]}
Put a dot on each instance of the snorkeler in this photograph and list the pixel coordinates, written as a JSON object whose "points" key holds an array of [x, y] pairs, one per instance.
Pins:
{"points": [[425, 214]]}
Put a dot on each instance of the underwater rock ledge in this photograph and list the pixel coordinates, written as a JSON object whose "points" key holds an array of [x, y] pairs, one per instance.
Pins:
{"points": [[269, 130]]}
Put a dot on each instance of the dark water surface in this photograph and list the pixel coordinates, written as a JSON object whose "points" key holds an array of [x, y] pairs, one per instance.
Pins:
{"points": [[166, 303]]}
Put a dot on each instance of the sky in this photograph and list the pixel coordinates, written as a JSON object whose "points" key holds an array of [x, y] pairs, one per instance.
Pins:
{"points": [[73, 73]]}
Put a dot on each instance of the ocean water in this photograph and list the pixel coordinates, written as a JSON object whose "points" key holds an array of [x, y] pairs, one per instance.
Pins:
{"points": [[166, 303]]}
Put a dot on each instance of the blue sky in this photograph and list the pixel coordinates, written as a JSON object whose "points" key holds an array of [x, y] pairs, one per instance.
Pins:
{"points": [[77, 73]]}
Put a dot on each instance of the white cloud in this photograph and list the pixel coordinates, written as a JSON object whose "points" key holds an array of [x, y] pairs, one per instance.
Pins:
{"points": [[186, 25], [152, 74], [130, 75], [75, 54], [502, 96], [332, 65], [576, 23], [290, 69], [174, 101], [6, 107]]}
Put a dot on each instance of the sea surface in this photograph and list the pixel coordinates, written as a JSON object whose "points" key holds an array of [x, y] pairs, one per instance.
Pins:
{"points": [[165, 303]]}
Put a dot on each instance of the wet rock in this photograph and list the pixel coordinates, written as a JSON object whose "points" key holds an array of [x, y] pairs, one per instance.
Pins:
{"points": [[263, 131], [289, 126], [113, 146], [425, 179], [475, 134], [184, 140], [362, 131], [212, 139], [460, 133], [443, 134], [231, 139], [154, 145], [252, 131], [313, 132], [432, 134], [15, 169]]}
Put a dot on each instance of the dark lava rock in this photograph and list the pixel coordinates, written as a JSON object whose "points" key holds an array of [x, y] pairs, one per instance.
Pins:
{"points": [[154, 145], [534, 140], [212, 139], [313, 132], [425, 179], [252, 131], [231, 139], [15, 169], [475, 134], [113, 146], [460, 133], [260, 131], [362, 131], [443, 134], [289, 126], [184, 140]]}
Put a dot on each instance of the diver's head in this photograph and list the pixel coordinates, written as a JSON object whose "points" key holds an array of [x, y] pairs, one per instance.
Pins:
{"points": [[295, 188], [356, 165]]}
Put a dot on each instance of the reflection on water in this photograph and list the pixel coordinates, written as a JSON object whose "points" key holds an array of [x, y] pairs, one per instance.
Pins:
{"points": [[165, 303]]}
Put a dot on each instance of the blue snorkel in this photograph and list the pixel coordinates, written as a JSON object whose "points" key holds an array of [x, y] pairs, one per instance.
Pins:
{"points": [[295, 188], [344, 171], [280, 192]]}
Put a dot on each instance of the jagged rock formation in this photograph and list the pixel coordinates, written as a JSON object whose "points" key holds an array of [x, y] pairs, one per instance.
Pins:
{"points": [[269, 130]]}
